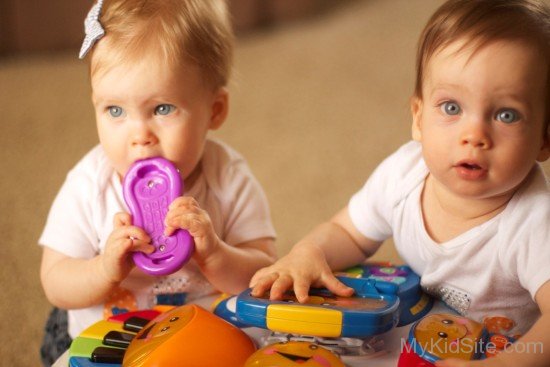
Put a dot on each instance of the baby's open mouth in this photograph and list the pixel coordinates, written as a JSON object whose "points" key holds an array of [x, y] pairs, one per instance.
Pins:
{"points": [[470, 170], [470, 166]]}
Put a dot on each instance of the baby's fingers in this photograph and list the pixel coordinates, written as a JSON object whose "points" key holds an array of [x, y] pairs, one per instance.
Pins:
{"points": [[142, 246], [301, 289], [195, 222], [280, 286], [335, 286], [262, 283], [121, 220]]}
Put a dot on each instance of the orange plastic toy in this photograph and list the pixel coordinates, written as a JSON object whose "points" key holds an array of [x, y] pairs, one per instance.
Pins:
{"points": [[189, 336], [294, 353]]}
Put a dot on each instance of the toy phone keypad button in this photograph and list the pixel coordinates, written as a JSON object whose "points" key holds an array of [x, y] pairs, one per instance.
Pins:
{"points": [[153, 218]]}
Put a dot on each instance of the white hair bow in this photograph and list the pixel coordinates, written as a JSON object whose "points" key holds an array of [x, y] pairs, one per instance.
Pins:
{"points": [[92, 28]]}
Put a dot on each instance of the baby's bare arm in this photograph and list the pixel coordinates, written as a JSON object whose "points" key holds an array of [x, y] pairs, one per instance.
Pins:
{"points": [[230, 268], [71, 283], [330, 246], [77, 283]]}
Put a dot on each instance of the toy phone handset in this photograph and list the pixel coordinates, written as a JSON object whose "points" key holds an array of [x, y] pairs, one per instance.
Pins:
{"points": [[149, 186]]}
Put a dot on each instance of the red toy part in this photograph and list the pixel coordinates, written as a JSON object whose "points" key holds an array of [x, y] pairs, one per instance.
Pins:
{"points": [[143, 314], [409, 358]]}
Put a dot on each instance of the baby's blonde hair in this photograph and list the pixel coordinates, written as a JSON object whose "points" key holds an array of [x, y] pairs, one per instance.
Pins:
{"points": [[174, 31], [481, 22]]}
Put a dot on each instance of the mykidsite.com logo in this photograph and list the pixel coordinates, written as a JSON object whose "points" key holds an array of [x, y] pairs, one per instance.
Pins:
{"points": [[442, 347]]}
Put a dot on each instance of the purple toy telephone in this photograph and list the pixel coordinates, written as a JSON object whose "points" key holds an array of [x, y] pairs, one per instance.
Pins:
{"points": [[150, 185]]}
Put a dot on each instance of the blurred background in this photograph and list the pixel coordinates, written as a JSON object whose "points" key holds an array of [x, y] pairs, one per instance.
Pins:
{"points": [[319, 96]]}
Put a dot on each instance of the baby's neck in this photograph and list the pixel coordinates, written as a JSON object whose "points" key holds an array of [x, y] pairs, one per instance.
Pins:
{"points": [[193, 176], [447, 215]]}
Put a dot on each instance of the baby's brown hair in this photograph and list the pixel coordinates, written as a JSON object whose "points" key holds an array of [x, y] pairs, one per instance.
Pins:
{"points": [[175, 31], [481, 22]]}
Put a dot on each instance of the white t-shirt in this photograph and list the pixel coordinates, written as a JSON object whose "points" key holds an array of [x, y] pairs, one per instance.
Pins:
{"points": [[80, 221], [494, 269]]}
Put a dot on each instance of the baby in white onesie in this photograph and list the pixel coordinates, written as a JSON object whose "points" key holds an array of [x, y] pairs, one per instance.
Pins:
{"points": [[466, 201]]}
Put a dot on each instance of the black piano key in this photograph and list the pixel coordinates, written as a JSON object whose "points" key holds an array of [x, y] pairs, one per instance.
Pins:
{"points": [[118, 339], [135, 324], [107, 355]]}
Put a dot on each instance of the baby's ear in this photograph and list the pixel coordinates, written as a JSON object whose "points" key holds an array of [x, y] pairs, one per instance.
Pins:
{"points": [[416, 110], [544, 153], [220, 108]]}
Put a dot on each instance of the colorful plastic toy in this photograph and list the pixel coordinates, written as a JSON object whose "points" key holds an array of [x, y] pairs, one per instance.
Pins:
{"points": [[367, 313], [293, 354], [441, 336], [225, 306], [189, 336], [388, 279], [104, 343], [183, 336], [149, 187]]}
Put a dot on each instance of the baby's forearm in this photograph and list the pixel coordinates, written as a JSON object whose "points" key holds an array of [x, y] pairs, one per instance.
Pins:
{"points": [[533, 349], [232, 267], [339, 248], [76, 283]]}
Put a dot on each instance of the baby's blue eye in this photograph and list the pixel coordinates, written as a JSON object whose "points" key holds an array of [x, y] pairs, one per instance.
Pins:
{"points": [[450, 108], [164, 109], [115, 111], [507, 116]]}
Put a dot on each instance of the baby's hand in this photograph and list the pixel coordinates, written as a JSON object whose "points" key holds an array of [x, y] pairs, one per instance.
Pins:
{"points": [[303, 267], [124, 240], [185, 213]]}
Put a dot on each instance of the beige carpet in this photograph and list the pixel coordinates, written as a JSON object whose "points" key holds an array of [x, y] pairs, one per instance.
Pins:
{"points": [[315, 106]]}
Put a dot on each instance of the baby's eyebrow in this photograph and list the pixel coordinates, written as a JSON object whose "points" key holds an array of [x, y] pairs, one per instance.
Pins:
{"points": [[97, 100], [448, 86]]}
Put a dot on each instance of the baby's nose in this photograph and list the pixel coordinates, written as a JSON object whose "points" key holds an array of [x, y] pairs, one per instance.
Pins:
{"points": [[476, 133], [142, 134]]}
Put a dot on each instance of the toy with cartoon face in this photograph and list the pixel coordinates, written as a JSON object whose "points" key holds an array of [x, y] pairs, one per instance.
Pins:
{"points": [[293, 353], [447, 336], [189, 336]]}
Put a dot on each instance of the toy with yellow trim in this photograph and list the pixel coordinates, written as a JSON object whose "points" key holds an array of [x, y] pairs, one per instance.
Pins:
{"points": [[385, 296], [368, 312]]}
